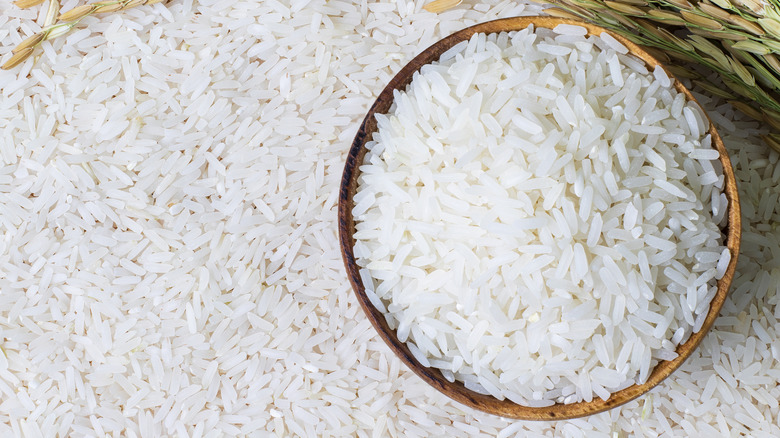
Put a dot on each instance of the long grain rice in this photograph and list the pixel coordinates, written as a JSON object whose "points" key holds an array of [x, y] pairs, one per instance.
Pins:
{"points": [[595, 240], [240, 55]]}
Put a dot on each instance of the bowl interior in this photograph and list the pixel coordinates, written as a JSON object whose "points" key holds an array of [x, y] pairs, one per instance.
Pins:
{"points": [[433, 376]]}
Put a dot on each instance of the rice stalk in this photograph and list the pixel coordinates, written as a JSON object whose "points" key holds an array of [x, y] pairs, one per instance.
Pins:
{"points": [[65, 23]]}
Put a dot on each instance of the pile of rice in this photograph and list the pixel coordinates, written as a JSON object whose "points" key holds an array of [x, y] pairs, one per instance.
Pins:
{"points": [[540, 213], [168, 256]]}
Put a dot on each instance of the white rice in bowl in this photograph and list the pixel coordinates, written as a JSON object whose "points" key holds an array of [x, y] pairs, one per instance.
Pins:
{"points": [[539, 216]]}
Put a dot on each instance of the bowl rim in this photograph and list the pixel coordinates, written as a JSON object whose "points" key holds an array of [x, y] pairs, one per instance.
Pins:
{"points": [[432, 376]]}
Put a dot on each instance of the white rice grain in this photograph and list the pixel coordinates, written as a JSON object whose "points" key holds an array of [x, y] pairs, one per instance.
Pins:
{"points": [[625, 264], [162, 61]]}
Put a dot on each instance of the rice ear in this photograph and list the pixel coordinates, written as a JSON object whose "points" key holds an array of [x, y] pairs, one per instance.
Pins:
{"points": [[132, 4], [771, 26], [746, 109], [103, 7], [682, 4], [17, 58], [772, 45], [665, 17], [619, 18], [717, 91], [772, 118], [740, 89], [714, 11], [560, 13], [723, 4], [717, 35], [658, 54], [625, 8], [30, 41], [772, 140], [742, 72], [773, 62], [746, 25], [24, 4], [682, 56], [77, 13], [51, 13], [708, 48], [699, 20], [752, 47], [682, 72], [58, 30]]}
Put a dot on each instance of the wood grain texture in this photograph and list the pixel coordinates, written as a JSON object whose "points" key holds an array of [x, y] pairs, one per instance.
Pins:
{"points": [[433, 376]]}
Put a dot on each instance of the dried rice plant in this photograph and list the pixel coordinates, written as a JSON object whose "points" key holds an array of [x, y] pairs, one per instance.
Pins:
{"points": [[64, 23]]}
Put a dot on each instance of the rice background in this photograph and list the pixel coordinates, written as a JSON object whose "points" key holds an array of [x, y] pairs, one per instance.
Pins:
{"points": [[168, 255]]}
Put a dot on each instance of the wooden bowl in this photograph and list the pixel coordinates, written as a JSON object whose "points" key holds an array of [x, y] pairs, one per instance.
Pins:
{"points": [[433, 376]]}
